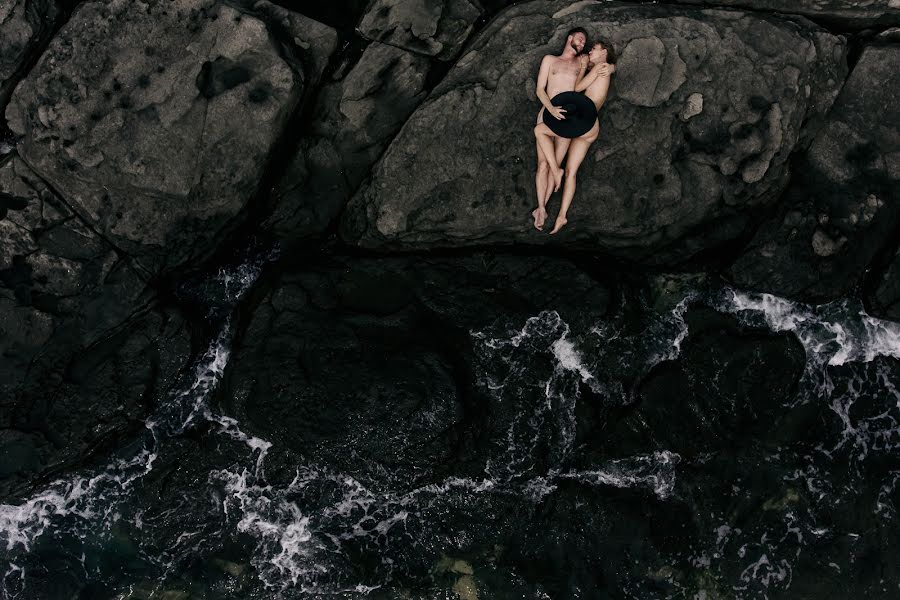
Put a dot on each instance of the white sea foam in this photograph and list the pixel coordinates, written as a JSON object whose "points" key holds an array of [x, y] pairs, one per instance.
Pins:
{"points": [[303, 539], [570, 359], [832, 334], [654, 471]]}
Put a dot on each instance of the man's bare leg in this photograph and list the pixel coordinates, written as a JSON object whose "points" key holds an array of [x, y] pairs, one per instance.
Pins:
{"points": [[577, 152], [545, 136], [541, 185], [560, 146]]}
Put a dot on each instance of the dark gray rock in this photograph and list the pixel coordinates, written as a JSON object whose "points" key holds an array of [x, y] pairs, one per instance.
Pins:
{"points": [[158, 135], [852, 14], [432, 27], [353, 121], [660, 184], [841, 208], [316, 42], [84, 352], [24, 25]]}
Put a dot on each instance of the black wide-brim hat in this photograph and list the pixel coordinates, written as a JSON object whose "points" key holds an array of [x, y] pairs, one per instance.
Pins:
{"points": [[579, 117]]}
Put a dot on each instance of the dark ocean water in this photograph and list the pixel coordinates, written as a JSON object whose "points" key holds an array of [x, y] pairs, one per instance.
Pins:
{"points": [[720, 445]]}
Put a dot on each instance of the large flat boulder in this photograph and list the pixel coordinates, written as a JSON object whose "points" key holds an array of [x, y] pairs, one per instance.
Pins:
{"points": [[853, 14], [841, 208], [353, 121], [705, 109], [155, 121], [432, 27]]}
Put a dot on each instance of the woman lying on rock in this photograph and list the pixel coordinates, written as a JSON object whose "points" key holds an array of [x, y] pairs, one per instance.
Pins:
{"points": [[579, 122]]}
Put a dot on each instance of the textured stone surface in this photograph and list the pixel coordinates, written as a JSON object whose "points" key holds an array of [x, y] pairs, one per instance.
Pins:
{"points": [[157, 135], [24, 26], [854, 14], [353, 121], [82, 350], [315, 41], [433, 27], [663, 181], [840, 210]]}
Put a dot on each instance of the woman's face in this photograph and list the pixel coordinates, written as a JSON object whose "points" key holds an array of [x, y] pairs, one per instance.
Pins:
{"points": [[597, 54]]}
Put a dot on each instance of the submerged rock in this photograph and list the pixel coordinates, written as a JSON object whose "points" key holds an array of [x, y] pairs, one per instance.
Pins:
{"points": [[84, 349], [887, 291], [841, 209], [712, 101], [376, 355], [353, 121], [432, 27], [726, 387], [157, 136]]}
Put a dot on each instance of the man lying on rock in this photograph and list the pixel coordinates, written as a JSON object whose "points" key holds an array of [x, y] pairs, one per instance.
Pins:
{"points": [[568, 121]]}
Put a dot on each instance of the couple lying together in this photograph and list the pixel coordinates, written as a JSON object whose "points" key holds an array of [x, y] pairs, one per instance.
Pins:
{"points": [[572, 87]]}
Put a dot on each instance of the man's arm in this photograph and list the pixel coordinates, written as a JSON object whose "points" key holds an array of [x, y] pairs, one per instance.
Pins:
{"points": [[543, 76], [582, 68]]}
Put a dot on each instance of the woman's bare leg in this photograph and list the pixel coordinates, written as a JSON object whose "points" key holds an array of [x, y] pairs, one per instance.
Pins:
{"points": [[546, 141], [541, 185], [577, 151]]}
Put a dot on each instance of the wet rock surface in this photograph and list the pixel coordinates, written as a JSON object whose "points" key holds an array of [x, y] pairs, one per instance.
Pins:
{"points": [[735, 384], [431, 27], [840, 210], [455, 176], [84, 349]]}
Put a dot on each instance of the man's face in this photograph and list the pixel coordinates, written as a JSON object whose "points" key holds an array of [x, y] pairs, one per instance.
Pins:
{"points": [[577, 41]]}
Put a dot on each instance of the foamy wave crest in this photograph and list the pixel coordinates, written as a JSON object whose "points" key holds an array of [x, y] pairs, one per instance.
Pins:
{"points": [[654, 471], [509, 375], [305, 548], [832, 334]]}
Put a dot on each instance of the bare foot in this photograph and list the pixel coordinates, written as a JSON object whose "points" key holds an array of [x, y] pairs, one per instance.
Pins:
{"points": [[540, 215], [557, 179], [560, 221]]}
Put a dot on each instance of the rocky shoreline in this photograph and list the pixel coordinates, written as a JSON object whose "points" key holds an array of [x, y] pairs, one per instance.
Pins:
{"points": [[386, 149]]}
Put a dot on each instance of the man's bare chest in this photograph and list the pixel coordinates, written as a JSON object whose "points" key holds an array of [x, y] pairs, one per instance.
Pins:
{"points": [[561, 68]]}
